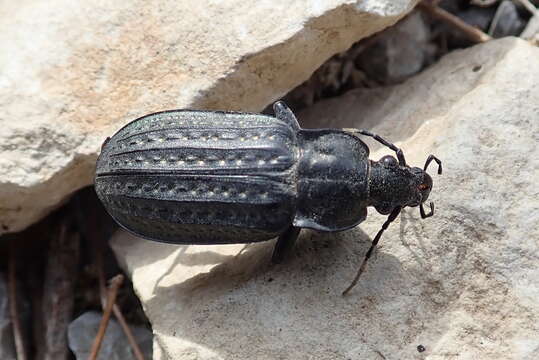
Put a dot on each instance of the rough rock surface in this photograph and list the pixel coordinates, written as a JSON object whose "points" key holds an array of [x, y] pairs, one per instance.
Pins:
{"points": [[74, 72], [82, 331], [464, 284]]}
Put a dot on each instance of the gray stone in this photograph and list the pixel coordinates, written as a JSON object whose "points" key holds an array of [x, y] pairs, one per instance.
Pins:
{"points": [[74, 72], [397, 52], [479, 17], [82, 331], [463, 284], [452, 37], [506, 22], [7, 345]]}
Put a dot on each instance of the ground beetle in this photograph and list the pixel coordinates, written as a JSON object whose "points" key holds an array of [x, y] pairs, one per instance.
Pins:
{"points": [[213, 177]]}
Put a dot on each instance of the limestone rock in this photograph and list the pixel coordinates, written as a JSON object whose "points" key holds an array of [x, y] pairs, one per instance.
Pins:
{"points": [[74, 72], [463, 284]]}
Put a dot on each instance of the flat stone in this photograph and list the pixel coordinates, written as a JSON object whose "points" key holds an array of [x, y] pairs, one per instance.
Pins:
{"points": [[73, 73], [462, 284]]}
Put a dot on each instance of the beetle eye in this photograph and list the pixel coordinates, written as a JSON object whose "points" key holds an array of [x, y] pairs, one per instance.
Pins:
{"points": [[423, 186], [389, 160]]}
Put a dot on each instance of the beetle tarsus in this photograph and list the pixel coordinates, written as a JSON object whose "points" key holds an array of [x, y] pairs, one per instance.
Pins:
{"points": [[381, 140], [422, 211], [285, 244], [363, 266]]}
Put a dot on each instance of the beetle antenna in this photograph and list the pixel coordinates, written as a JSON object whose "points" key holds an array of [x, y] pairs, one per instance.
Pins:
{"points": [[389, 220], [429, 159], [381, 140]]}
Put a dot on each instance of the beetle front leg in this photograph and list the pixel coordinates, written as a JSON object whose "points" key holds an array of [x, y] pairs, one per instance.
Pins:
{"points": [[389, 220], [400, 154], [285, 244], [283, 112]]}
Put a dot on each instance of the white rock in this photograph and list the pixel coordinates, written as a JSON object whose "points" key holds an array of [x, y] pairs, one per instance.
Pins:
{"points": [[464, 283], [75, 72]]}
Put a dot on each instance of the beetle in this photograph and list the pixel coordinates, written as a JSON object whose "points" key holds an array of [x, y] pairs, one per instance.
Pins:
{"points": [[214, 177]]}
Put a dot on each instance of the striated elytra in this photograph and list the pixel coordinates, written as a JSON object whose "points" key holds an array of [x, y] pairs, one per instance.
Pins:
{"points": [[213, 177]]}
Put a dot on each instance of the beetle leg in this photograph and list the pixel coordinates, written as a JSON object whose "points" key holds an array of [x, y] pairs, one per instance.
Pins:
{"points": [[284, 244], [389, 220], [283, 112], [400, 154]]}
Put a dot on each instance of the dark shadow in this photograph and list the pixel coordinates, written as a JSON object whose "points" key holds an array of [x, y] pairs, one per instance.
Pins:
{"points": [[410, 224]]}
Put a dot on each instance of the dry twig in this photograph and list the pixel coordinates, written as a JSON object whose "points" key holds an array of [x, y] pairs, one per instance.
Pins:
{"points": [[12, 293], [89, 211], [483, 3], [128, 333], [58, 291], [115, 284], [115, 308], [471, 32]]}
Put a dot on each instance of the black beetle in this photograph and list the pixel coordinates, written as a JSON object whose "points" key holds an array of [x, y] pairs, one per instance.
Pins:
{"points": [[213, 177]]}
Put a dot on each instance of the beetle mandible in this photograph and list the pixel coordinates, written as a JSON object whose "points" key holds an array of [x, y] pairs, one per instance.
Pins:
{"points": [[213, 177]]}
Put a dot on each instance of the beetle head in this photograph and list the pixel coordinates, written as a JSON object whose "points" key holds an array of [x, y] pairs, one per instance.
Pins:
{"points": [[424, 186], [393, 185]]}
